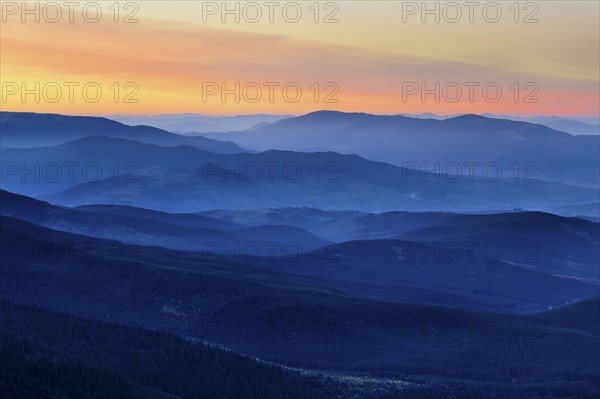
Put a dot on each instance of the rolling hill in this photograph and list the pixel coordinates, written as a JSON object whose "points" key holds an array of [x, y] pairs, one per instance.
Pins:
{"points": [[145, 227], [85, 358], [280, 318], [104, 170], [553, 244], [512, 148], [26, 130], [186, 123]]}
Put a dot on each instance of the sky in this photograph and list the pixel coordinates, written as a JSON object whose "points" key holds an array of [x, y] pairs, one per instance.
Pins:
{"points": [[383, 57]]}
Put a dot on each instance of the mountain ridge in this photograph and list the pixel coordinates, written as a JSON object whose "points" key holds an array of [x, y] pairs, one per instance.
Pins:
{"points": [[27, 129], [530, 149]]}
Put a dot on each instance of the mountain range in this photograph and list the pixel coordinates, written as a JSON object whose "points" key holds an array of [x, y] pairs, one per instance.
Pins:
{"points": [[589, 126], [467, 145], [187, 123], [478, 261], [26, 130], [185, 179], [320, 256], [281, 318]]}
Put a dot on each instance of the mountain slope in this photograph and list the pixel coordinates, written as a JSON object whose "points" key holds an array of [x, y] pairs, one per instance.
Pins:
{"points": [[124, 362], [26, 130], [144, 227], [522, 150], [186, 123], [277, 318], [583, 315], [476, 261], [102, 170], [545, 242]]}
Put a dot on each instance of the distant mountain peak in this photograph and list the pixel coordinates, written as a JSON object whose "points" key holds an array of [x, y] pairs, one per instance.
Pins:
{"points": [[470, 117]]}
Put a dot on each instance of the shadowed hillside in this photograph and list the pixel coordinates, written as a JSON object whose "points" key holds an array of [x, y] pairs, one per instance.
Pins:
{"points": [[288, 320]]}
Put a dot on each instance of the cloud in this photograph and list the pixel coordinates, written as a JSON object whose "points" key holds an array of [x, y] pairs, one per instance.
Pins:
{"points": [[171, 60]]}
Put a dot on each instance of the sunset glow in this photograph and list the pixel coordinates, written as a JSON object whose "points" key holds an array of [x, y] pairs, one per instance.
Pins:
{"points": [[365, 62]]}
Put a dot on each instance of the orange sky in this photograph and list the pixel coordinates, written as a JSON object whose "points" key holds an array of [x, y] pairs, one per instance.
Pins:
{"points": [[370, 58]]}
